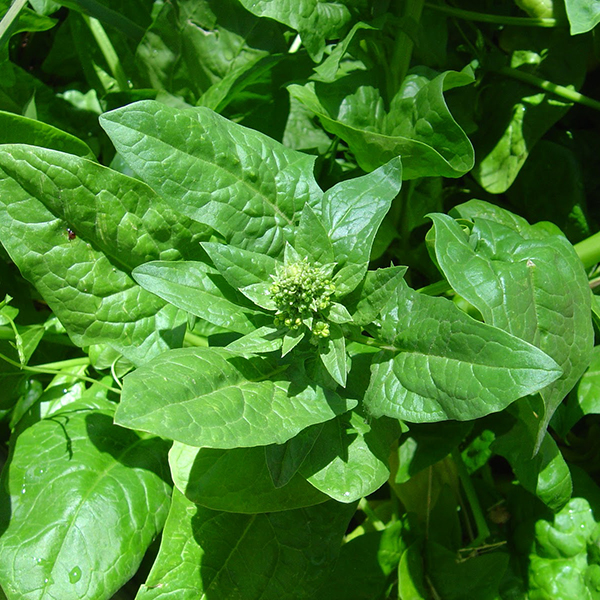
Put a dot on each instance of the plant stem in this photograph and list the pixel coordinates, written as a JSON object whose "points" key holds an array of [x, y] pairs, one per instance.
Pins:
{"points": [[548, 86], [50, 369], [588, 250], [191, 339], [9, 20], [483, 531], [435, 289], [468, 15]]}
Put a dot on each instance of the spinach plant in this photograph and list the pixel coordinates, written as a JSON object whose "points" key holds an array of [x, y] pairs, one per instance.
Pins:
{"points": [[286, 320]]}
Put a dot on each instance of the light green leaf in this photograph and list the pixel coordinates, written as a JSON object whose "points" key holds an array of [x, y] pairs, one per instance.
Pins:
{"points": [[212, 554], [419, 126], [583, 15], [338, 313], [285, 459], [119, 223], [245, 185], [530, 283], [200, 290], [236, 480], [291, 339], [349, 460], [441, 364], [351, 212], [315, 20], [264, 339], [215, 398], [332, 352], [81, 502], [312, 239]]}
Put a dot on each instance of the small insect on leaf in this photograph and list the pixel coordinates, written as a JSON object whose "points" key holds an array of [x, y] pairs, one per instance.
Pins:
{"points": [[71, 234]]}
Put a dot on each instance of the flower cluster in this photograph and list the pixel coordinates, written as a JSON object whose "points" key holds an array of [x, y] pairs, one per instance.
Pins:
{"points": [[302, 292]]}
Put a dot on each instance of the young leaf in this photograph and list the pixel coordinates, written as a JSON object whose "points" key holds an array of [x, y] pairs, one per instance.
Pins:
{"points": [[441, 364], [264, 339], [312, 239], [529, 283], [236, 480], [209, 553], [71, 479], [351, 212], [200, 290], [332, 352], [243, 184], [215, 398], [583, 15]]}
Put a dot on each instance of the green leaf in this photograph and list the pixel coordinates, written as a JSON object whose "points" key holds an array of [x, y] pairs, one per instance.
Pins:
{"points": [[419, 126], [205, 553], [245, 185], [264, 339], [215, 398], [368, 300], [349, 460], [207, 51], [15, 129], [583, 15], [546, 474], [285, 459], [528, 282], [522, 112], [119, 223], [315, 20], [351, 212], [72, 478], [441, 364], [332, 352], [200, 290], [236, 480], [312, 238], [477, 577], [241, 268]]}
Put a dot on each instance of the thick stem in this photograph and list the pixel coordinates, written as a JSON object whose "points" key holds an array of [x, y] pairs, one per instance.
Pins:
{"points": [[7, 23], [588, 250]]}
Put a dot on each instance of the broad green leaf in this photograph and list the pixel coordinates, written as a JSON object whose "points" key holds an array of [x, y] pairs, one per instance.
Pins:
{"points": [[522, 112], [349, 460], [215, 398], [368, 300], [546, 474], [285, 459], [332, 352], [119, 223], [583, 15], [315, 20], [236, 480], [200, 290], [245, 185], [15, 129], [419, 126], [291, 339], [411, 575], [206, 50], [274, 556], [529, 283], [440, 364], [351, 213], [80, 503]]}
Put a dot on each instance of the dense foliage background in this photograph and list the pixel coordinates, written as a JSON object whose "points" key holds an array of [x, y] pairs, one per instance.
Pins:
{"points": [[423, 424]]}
